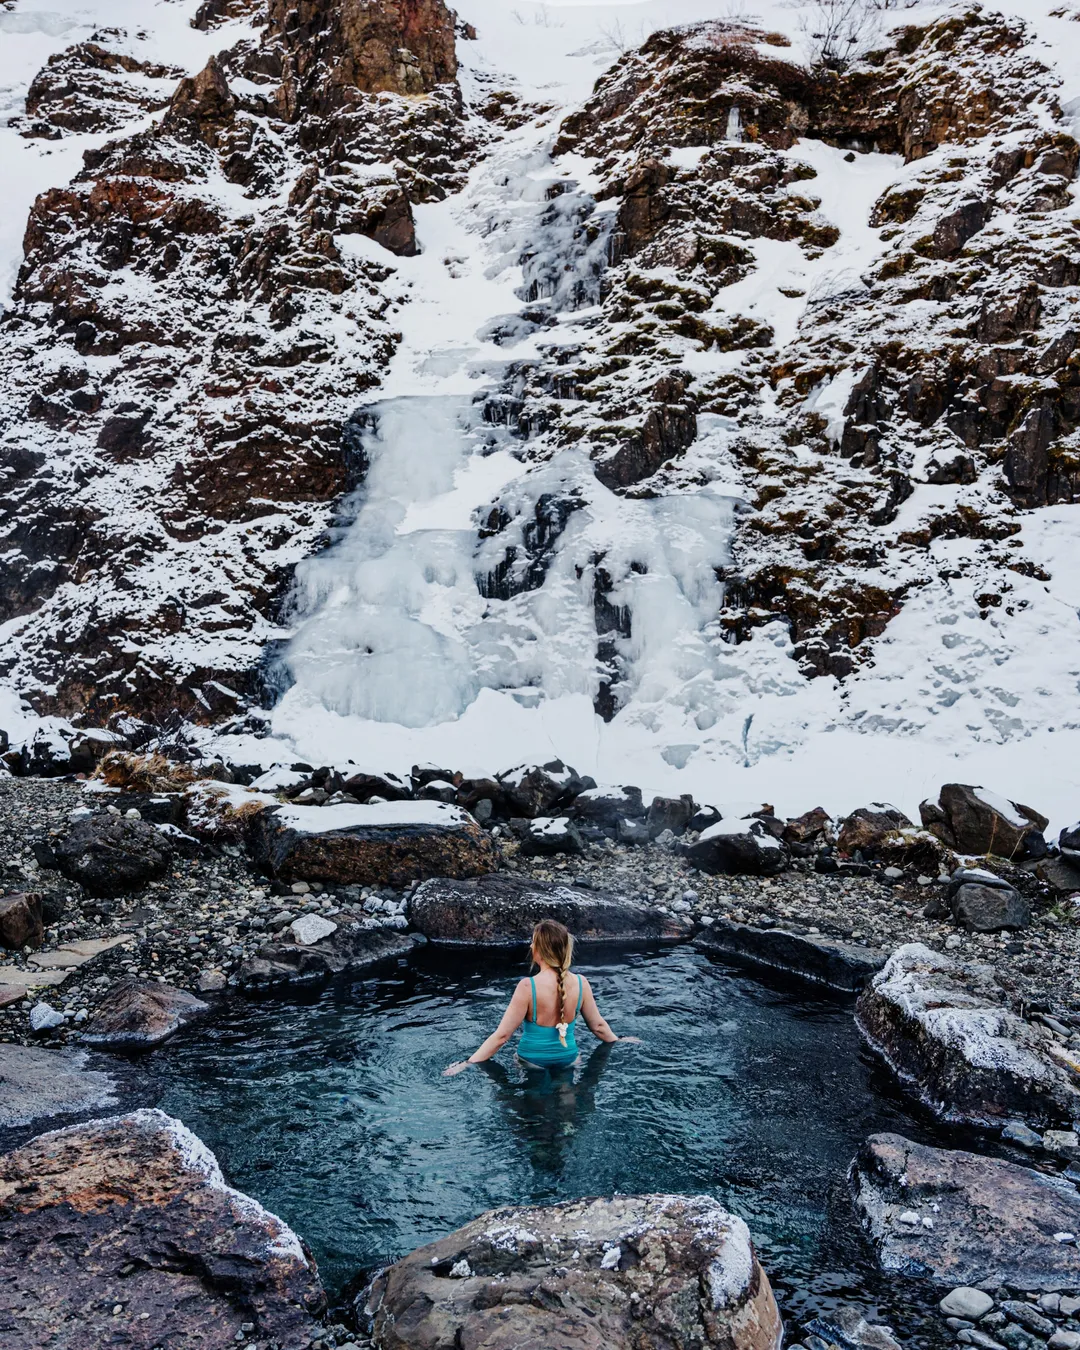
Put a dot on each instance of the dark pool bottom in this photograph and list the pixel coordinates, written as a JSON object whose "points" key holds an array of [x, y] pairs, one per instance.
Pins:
{"points": [[333, 1112]]}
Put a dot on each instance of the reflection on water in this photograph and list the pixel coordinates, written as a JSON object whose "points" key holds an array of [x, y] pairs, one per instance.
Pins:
{"points": [[333, 1112]]}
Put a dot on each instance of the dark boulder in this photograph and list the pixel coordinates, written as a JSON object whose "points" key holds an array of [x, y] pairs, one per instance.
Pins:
{"points": [[839, 965], [738, 848], [123, 1231], [540, 789], [548, 835], [21, 923], [945, 1030], [1069, 842], [390, 843], [812, 827], [388, 786], [602, 812], [139, 1014], [350, 947], [984, 903], [112, 854], [670, 813], [963, 1219], [502, 910], [868, 826], [629, 1273], [973, 820]]}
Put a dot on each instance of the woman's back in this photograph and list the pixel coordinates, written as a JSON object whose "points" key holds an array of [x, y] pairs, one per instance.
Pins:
{"points": [[545, 989]]}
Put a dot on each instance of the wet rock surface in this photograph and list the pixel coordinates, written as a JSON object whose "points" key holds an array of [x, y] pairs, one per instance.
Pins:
{"points": [[839, 965], [961, 1219], [388, 844], [502, 911], [945, 1029], [137, 1015], [37, 1086], [636, 1271], [351, 947], [125, 1226]]}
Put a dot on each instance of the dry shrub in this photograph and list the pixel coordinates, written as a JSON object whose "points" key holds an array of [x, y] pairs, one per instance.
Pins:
{"points": [[144, 773]]}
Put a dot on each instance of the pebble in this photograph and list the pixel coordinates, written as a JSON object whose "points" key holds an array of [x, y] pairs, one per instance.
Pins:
{"points": [[1026, 1315], [1064, 1340], [966, 1302], [980, 1339], [1069, 1306], [1019, 1133], [311, 928], [300, 888], [43, 1017], [909, 1217]]}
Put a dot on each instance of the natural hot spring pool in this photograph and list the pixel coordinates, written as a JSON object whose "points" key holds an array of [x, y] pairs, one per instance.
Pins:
{"points": [[332, 1111]]}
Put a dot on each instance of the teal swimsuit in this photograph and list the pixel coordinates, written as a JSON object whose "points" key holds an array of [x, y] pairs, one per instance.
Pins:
{"points": [[541, 1045]]}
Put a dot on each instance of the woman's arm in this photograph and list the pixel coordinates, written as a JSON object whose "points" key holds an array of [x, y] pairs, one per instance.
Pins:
{"points": [[512, 1018], [594, 1021]]}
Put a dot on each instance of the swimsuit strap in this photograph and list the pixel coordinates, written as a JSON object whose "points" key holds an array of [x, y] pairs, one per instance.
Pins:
{"points": [[533, 983], [580, 994]]}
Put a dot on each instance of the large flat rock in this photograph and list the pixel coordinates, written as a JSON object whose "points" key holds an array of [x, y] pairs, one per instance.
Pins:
{"points": [[350, 947], [502, 910], [839, 965], [385, 844], [944, 1028], [40, 1085], [962, 1219], [139, 1014], [645, 1272], [123, 1232]]}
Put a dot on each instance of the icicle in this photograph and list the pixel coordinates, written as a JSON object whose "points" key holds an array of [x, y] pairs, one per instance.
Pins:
{"points": [[734, 124]]}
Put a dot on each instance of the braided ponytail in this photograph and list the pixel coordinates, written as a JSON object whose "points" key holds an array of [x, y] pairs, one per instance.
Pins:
{"points": [[552, 942]]}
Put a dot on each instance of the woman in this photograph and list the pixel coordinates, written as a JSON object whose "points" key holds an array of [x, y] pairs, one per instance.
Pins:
{"points": [[548, 1004]]}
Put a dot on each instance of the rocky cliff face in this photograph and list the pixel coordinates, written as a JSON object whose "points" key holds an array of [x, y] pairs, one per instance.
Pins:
{"points": [[844, 299], [195, 316]]}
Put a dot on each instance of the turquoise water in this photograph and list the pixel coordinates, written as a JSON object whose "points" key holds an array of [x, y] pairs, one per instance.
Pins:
{"points": [[333, 1112]]}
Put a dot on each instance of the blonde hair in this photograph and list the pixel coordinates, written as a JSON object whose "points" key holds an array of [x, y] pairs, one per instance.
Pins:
{"points": [[553, 943]]}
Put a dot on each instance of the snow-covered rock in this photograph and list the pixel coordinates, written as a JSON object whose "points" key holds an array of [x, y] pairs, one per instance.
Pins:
{"points": [[945, 1029]]}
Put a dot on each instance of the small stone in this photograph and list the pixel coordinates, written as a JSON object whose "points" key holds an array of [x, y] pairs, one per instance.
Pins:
{"points": [[133, 814], [967, 1303], [311, 928], [1049, 1303], [894, 873], [1019, 1133], [1064, 1340], [461, 1270], [925, 881], [953, 941], [1065, 1238], [45, 1018], [909, 1217], [211, 981], [1027, 1317], [980, 1339], [1065, 1142], [300, 888], [611, 1258], [1069, 1306]]}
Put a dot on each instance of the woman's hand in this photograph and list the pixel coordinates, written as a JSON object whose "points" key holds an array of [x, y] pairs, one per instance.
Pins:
{"points": [[455, 1069], [631, 1040]]}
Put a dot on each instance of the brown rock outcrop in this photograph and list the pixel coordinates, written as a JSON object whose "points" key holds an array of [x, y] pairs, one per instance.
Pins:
{"points": [[987, 1221], [21, 923], [125, 1227], [377, 845], [646, 1272], [137, 1015]]}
